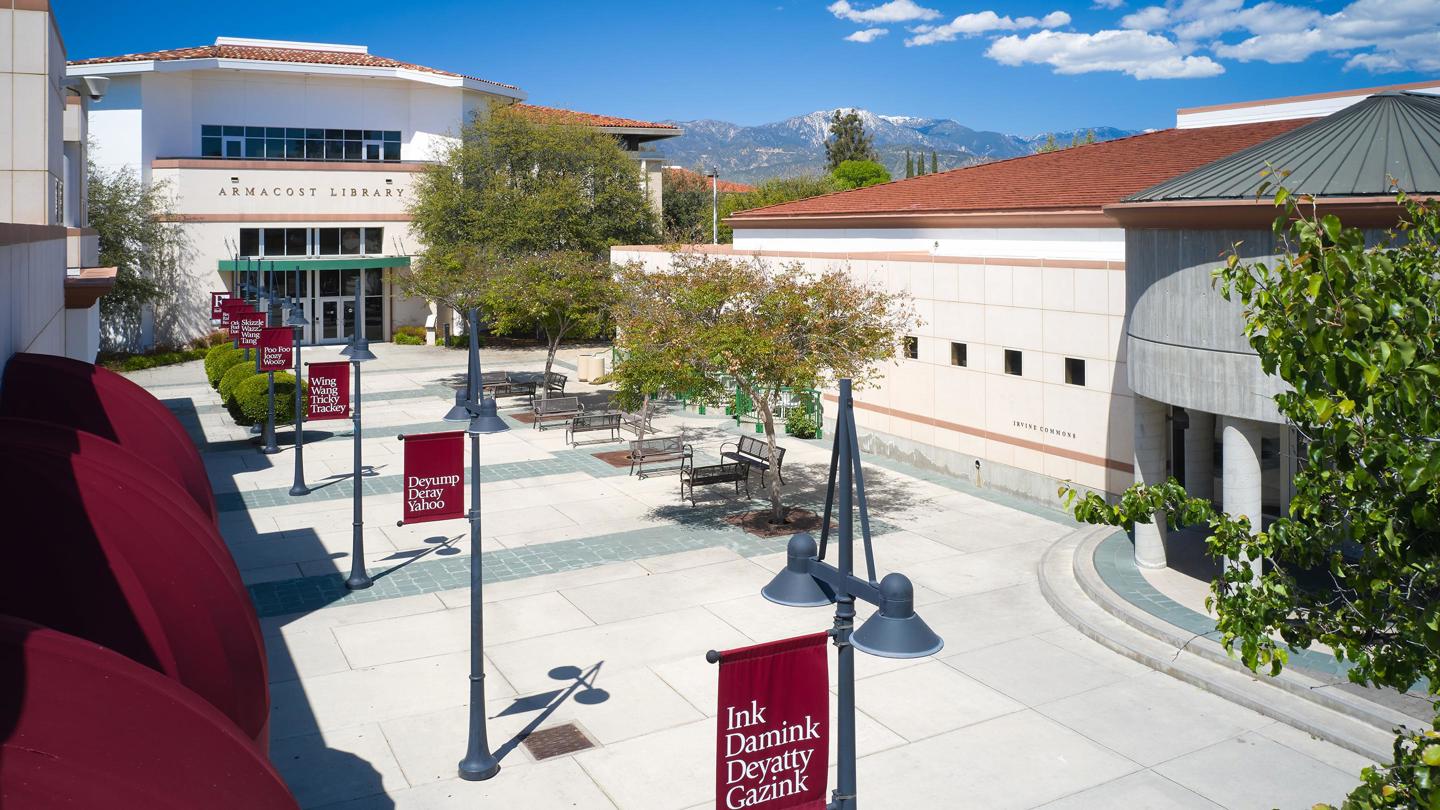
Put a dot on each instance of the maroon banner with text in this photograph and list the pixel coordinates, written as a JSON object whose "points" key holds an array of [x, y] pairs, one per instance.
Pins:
{"points": [[434, 476], [229, 308], [773, 726], [216, 299], [246, 327], [329, 393], [275, 348]]}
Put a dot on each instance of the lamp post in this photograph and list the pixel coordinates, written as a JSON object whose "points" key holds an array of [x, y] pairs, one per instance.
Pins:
{"points": [[895, 631], [359, 352], [270, 446], [714, 204], [479, 763], [296, 319]]}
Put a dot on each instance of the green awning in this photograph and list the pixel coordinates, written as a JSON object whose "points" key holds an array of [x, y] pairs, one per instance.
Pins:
{"points": [[309, 263]]}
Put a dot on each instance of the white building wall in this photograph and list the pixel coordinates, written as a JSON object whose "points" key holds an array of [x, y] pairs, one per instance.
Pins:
{"points": [[1094, 244], [1029, 431], [116, 129], [1285, 109]]}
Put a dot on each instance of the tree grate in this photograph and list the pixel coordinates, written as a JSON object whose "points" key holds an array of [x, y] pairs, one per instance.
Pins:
{"points": [[557, 741]]}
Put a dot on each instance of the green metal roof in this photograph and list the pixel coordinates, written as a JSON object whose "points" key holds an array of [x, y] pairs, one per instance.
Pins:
{"points": [[1351, 153], [321, 263]]}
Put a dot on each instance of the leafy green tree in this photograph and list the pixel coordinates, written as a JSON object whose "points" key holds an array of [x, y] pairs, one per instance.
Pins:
{"points": [[140, 237], [848, 140], [1352, 331], [563, 294], [686, 199], [773, 192], [518, 186], [1050, 145], [860, 173], [767, 328]]}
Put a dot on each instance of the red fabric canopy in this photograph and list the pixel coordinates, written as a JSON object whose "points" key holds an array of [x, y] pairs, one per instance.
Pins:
{"points": [[85, 727], [110, 550], [99, 401]]}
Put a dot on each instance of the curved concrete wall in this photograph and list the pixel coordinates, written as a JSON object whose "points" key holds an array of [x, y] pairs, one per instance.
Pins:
{"points": [[1187, 343]]}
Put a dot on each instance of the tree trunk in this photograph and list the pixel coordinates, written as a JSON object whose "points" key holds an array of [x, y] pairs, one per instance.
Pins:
{"points": [[544, 391], [644, 419], [777, 511]]}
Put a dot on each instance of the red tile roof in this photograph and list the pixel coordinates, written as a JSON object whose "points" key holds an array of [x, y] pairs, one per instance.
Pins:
{"points": [[688, 179], [1081, 177], [555, 115], [259, 53]]}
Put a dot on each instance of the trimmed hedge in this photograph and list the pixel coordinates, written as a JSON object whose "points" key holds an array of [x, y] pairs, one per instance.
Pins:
{"points": [[408, 340], [237, 374], [409, 331], [252, 397], [217, 362]]}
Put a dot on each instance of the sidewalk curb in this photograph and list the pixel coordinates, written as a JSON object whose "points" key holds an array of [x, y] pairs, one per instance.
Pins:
{"points": [[1072, 587]]}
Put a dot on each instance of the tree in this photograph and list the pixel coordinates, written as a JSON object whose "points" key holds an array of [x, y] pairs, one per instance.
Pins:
{"points": [[1351, 330], [140, 237], [860, 173], [564, 294], [766, 328], [909, 165], [848, 140], [773, 192], [1050, 145], [686, 200], [934, 162]]}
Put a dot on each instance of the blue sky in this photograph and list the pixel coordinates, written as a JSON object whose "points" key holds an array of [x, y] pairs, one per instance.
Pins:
{"points": [[1021, 67]]}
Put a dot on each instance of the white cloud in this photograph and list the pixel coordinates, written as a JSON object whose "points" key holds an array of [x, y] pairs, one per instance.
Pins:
{"points": [[891, 12], [1150, 18], [969, 25], [1108, 4], [1136, 53], [868, 35], [1389, 35]]}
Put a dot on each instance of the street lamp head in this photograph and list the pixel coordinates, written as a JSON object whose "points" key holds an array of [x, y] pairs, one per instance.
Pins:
{"points": [[296, 316], [487, 419], [794, 586], [458, 412], [896, 631], [360, 352]]}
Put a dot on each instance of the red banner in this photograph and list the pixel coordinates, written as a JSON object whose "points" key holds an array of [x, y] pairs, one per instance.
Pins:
{"points": [[434, 477], [216, 299], [275, 348], [246, 327], [329, 393], [774, 725], [229, 307]]}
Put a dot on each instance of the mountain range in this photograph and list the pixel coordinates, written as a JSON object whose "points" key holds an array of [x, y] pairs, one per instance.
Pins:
{"points": [[795, 145]]}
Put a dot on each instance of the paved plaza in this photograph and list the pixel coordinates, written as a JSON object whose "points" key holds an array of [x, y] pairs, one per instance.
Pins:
{"points": [[604, 591]]}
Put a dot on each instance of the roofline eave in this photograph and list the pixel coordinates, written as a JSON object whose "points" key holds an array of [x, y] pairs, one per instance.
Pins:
{"points": [[1090, 217], [1213, 214], [267, 66]]}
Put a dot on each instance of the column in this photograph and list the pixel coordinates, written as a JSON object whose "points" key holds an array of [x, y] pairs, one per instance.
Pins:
{"points": [[1200, 455], [1240, 473], [1150, 452]]}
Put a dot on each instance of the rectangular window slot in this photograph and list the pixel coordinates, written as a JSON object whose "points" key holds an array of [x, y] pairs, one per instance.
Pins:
{"points": [[958, 352], [1074, 371], [1013, 362], [912, 347], [299, 143]]}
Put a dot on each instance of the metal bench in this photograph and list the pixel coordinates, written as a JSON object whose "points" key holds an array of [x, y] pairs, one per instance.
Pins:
{"points": [[657, 448], [756, 453], [587, 422], [723, 473], [555, 410], [501, 384], [635, 422]]}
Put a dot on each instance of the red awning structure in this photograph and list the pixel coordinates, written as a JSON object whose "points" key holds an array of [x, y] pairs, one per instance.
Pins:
{"points": [[83, 726], [99, 401], [111, 550]]}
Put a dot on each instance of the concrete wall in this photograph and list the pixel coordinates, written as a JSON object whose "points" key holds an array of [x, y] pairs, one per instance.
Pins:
{"points": [[1030, 431], [32, 104], [32, 290], [1092, 244]]}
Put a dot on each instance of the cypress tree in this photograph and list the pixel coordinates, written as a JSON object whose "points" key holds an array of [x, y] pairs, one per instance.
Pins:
{"points": [[909, 165], [934, 162]]}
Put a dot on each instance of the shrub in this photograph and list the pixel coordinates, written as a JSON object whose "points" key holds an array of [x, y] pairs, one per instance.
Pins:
{"points": [[407, 340], [461, 341], [801, 424], [136, 362], [215, 338], [233, 377], [219, 360], [410, 331], [860, 174], [252, 396]]}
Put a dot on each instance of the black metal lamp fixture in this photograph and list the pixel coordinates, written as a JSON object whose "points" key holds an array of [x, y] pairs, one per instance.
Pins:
{"points": [[894, 631]]}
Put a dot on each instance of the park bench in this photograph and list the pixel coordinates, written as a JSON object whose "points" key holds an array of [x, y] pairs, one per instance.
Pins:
{"points": [[722, 473], [589, 422], [756, 453], [499, 384], [555, 384], [635, 422], [556, 409], [657, 449]]}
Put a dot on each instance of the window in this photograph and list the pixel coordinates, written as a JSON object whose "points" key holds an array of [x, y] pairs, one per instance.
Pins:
{"points": [[271, 242], [1074, 371], [298, 143], [958, 353], [1012, 362], [912, 347]]}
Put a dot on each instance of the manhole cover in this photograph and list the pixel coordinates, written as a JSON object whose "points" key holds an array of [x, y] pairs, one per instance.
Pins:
{"points": [[557, 741]]}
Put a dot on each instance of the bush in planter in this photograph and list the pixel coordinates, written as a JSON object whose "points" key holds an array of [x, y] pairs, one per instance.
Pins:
{"points": [[252, 397], [236, 374], [219, 360], [800, 424], [408, 335]]}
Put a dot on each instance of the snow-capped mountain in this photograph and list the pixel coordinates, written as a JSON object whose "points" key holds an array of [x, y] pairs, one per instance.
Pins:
{"points": [[796, 145]]}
